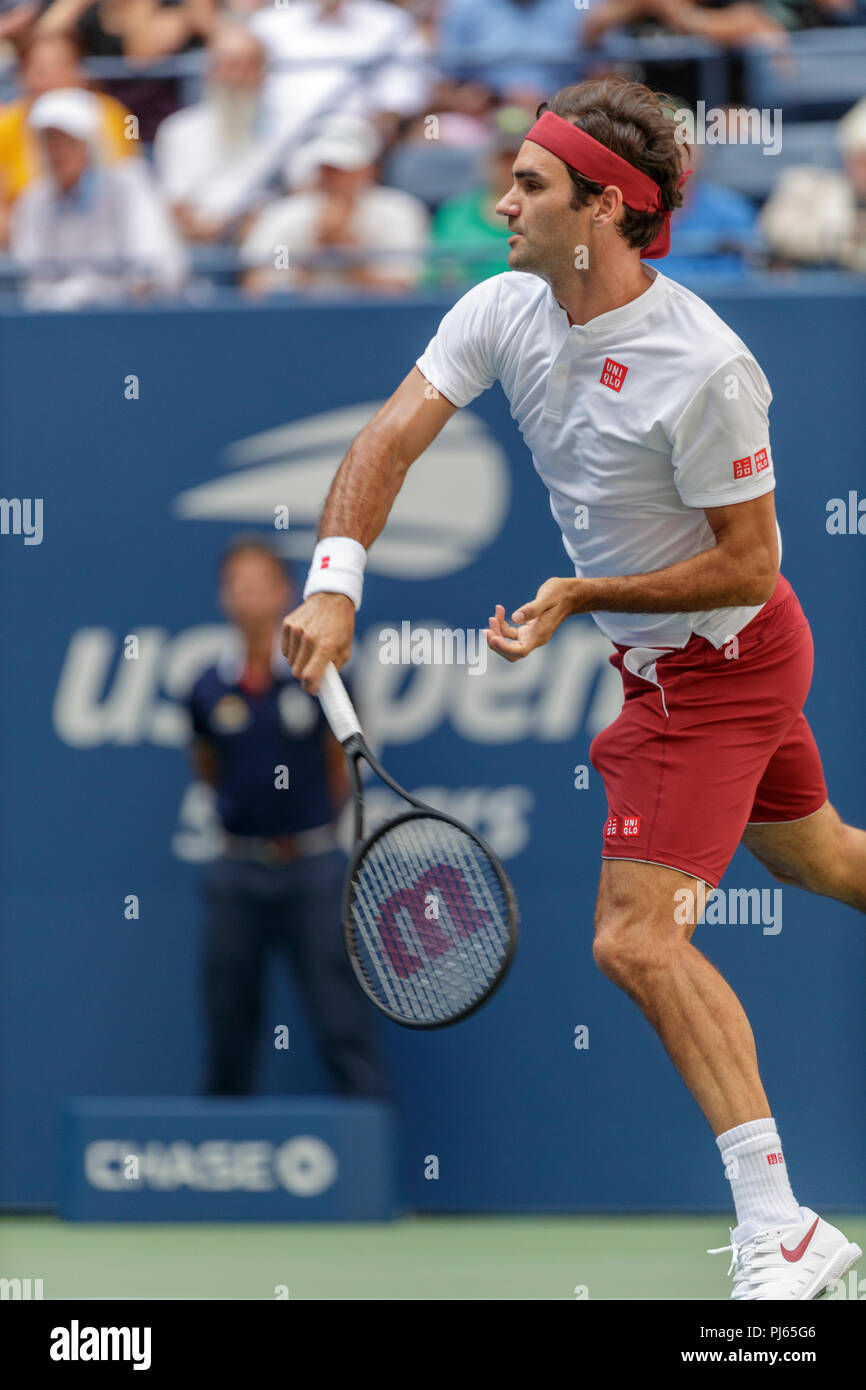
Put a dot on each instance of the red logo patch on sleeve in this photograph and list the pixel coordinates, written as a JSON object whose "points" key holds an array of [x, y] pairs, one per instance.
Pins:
{"points": [[613, 374], [611, 826], [326, 560], [761, 461], [743, 467], [631, 825]]}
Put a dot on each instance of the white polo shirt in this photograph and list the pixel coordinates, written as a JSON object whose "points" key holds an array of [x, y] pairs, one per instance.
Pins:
{"points": [[635, 421]]}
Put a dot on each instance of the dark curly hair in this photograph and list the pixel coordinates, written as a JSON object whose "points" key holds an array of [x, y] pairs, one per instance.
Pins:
{"points": [[637, 124]]}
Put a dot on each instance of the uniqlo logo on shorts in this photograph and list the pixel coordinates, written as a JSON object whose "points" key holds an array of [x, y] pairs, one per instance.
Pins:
{"points": [[625, 826], [613, 374], [743, 467], [761, 461]]}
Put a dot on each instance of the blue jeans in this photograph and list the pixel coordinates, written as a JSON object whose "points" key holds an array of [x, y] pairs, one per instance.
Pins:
{"points": [[252, 910]]}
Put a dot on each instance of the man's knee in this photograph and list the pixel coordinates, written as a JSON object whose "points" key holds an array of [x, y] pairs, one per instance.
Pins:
{"points": [[637, 929], [610, 954], [626, 948]]}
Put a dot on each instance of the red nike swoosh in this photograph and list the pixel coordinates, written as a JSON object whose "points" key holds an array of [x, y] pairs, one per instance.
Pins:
{"points": [[799, 1250]]}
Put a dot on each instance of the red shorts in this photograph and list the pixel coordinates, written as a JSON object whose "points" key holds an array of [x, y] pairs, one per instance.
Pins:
{"points": [[708, 742]]}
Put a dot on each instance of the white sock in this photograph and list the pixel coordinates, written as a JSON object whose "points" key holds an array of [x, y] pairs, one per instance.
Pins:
{"points": [[755, 1168]]}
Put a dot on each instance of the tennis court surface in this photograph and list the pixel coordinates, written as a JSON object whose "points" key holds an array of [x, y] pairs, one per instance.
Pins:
{"points": [[553, 1257]]}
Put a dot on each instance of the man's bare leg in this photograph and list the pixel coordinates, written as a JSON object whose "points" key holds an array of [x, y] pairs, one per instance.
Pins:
{"points": [[820, 853], [642, 948]]}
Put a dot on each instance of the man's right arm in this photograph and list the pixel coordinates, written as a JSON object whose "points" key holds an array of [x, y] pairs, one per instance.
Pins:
{"points": [[358, 504]]}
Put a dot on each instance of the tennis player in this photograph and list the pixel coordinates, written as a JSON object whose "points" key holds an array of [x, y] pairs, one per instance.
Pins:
{"points": [[647, 418]]}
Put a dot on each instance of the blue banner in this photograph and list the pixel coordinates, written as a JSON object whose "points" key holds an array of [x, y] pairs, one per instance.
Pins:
{"points": [[149, 438], [226, 1160]]}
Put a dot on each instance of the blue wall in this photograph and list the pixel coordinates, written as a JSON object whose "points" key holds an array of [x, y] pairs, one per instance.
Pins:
{"points": [[94, 778]]}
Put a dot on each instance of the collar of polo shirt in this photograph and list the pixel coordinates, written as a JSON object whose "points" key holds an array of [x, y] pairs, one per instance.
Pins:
{"points": [[615, 318]]}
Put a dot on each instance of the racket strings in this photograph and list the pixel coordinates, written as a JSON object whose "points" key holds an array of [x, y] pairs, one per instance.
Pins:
{"points": [[430, 918]]}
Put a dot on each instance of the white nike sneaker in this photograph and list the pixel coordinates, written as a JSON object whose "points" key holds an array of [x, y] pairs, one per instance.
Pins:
{"points": [[798, 1261]]}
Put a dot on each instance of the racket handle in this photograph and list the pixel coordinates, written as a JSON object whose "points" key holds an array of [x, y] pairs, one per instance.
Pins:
{"points": [[339, 710]]}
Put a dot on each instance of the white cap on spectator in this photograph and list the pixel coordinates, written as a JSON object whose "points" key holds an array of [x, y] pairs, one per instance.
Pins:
{"points": [[70, 109], [852, 129], [344, 142]]}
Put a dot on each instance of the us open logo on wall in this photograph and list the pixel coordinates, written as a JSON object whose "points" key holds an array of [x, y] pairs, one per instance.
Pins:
{"points": [[427, 536]]}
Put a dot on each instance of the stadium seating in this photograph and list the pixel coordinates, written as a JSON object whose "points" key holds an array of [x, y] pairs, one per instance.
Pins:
{"points": [[750, 170]]}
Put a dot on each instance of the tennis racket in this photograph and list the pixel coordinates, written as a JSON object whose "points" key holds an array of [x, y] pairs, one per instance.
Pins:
{"points": [[429, 916]]}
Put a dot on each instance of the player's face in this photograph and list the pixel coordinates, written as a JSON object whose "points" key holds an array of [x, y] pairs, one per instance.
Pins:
{"points": [[253, 592], [544, 228]]}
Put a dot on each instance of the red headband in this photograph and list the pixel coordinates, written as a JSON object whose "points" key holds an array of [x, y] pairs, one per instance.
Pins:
{"points": [[595, 161]]}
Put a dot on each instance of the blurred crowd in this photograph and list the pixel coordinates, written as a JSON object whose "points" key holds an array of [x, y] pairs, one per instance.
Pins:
{"points": [[153, 149]]}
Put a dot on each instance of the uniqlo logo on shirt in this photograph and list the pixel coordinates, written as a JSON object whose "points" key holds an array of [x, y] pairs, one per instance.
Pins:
{"points": [[743, 467], [631, 825], [613, 374], [611, 826], [761, 461]]}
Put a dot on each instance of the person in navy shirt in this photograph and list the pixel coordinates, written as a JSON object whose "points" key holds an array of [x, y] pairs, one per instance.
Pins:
{"points": [[721, 217], [280, 778]]}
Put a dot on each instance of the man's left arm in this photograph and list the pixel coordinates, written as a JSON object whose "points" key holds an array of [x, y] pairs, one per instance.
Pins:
{"points": [[722, 464], [740, 570]]}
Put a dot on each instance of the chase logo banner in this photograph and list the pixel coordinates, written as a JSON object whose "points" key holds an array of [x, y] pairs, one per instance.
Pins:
{"points": [[307, 1159]]}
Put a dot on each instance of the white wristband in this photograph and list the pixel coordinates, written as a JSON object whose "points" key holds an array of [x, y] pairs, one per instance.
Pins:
{"points": [[337, 568]]}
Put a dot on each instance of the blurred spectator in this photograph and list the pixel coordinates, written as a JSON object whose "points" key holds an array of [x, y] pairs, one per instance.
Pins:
{"points": [[16, 19], [728, 24], [48, 64], [276, 887], [817, 216], [345, 211], [834, 12], [713, 229], [469, 224], [463, 111], [333, 37], [89, 233], [525, 49], [207, 155], [139, 31]]}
